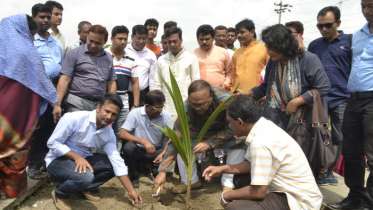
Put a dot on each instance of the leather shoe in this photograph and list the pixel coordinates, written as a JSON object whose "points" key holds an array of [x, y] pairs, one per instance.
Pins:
{"points": [[89, 196], [346, 204]]}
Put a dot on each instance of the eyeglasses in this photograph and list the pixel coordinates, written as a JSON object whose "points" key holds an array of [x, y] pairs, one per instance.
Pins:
{"points": [[326, 25], [140, 38], [157, 108], [294, 32], [201, 105]]}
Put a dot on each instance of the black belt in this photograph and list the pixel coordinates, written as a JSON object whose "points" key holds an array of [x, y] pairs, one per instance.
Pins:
{"points": [[361, 95], [92, 99]]}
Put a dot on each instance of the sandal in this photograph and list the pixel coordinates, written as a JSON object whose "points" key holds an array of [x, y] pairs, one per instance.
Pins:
{"points": [[31, 173]]}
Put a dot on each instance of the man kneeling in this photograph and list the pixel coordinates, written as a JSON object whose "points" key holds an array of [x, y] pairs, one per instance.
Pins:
{"points": [[70, 155], [280, 174]]}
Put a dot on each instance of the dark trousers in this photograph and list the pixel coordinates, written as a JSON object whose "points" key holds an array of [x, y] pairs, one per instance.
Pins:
{"points": [[142, 97], [336, 118], [38, 145], [63, 170], [272, 201], [133, 155], [357, 129]]}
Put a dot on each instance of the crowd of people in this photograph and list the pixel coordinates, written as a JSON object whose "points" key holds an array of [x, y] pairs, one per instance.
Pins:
{"points": [[86, 112]]}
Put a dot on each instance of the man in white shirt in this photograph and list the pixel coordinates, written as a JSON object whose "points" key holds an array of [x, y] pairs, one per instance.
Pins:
{"points": [[83, 31], [145, 60], [56, 20], [71, 162], [184, 66], [281, 177], [126, 71]]}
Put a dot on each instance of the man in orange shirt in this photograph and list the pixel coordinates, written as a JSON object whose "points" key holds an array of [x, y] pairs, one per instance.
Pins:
{"points": [[214, 62], [152, 26], [248, 61]]}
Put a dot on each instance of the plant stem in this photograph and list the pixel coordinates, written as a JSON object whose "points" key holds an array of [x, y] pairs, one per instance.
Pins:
{"points": [[190, 168]]}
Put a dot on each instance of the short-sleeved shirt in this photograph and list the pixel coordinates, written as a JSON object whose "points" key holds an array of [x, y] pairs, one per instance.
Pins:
{"points": [[335, 56], [51, 54], [125, 69], [279, 163], [60, 38], [89, 73], [139, 125]]}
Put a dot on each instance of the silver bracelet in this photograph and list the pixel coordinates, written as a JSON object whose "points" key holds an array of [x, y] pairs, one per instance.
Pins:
{"points": [[55, 105], [222, 197]]}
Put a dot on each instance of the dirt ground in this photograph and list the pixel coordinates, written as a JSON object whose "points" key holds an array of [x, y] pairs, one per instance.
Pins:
{"points": [[114, 196]]}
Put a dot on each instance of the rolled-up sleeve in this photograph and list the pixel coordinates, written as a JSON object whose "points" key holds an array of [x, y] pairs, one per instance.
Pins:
{"points": [[63, 130], [315, 78], [120, 169]]}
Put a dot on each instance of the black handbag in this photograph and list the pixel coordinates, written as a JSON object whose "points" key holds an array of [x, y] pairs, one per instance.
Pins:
{"points": [[314, 137]]}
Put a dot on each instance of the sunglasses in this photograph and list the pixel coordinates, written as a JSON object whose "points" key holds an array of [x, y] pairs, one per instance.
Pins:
{"points": [[326, 25]]}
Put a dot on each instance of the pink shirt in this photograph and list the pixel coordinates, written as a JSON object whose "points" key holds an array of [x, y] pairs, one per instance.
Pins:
{"points": [[215, 65]]}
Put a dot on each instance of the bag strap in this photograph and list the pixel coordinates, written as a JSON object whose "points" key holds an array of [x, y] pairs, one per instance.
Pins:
{"points": [[318, 115], [350, 42]]}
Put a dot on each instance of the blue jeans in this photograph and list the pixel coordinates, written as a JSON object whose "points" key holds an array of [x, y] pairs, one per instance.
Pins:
{"points": [[117, 124], [63, 170]]}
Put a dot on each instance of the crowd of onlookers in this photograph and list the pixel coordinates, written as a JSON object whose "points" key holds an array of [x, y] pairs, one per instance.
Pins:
{"points": [[87, 112]]}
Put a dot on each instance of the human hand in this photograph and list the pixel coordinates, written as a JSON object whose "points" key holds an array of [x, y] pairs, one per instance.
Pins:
{"points": [[212, 171], [56, 113], [292, 106], [158, 159], [243, 92], [135, 197], [149, 147], [82, 164], [201, 147], [159, 181]]}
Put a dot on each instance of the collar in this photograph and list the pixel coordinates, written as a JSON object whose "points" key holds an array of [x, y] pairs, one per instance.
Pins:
{"points": [[92, 116], [102, 51], [55, 35], [213, 46], [38, 37], [133, 49], [255, 42], [178, 54], [366, 29], [339, 37], [80, 42], [255, 130]]}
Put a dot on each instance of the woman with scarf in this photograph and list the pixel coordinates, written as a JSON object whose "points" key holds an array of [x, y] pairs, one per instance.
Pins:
{"points": [[291, 75], [24, 89]]}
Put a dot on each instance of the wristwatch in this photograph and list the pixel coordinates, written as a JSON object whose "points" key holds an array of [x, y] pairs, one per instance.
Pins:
{"points": [[136, 106]]}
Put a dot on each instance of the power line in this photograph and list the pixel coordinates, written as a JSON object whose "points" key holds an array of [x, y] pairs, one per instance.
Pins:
{"points": [[283, 8], [266, 19]]}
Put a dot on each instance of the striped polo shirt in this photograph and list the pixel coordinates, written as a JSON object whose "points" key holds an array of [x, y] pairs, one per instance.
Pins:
{"points": [[278, 162]]}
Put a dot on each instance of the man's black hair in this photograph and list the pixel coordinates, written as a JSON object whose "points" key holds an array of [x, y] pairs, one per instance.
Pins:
{"points": [[169, 24], [281, 40], [40, 8], [246, 23], [163, 37], [245, 108], [335, 10], [231, 29], [174, 30], [81, 24], [119, 30], [53, 4], [139, 29], [206, 30], [31, 23], [198, 85], [113, 99], [151, 22], [154, 97], [298, 26]]}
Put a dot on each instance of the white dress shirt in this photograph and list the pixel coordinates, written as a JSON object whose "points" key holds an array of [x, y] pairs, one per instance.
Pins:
{"points": [[146, 61], [78, 132]]}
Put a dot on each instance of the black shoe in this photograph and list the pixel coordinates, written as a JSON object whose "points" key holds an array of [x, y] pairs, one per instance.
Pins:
{"points": [[151, 175], [135, 183], [346, 204]]}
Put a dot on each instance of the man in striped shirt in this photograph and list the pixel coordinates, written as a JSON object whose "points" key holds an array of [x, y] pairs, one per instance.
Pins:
{"points": [[280, 174], [126, 71]]}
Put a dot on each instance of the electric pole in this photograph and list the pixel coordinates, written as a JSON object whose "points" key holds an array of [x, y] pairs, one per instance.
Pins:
{"points": [[282, 9]]}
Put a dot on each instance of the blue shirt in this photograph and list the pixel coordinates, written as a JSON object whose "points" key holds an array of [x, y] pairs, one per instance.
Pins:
{"points": [[78, 132], [335, 56], [139, 125], [361, 77], [51, 54]]}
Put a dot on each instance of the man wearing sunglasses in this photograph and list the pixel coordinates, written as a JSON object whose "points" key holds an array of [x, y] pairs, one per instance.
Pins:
{"points": [[334, 51], [144, 141], [357, 121], [202, 101]]}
